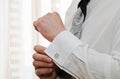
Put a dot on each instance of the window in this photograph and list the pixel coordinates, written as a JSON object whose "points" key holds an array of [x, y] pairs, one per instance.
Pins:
{"points": [[19, 37]]}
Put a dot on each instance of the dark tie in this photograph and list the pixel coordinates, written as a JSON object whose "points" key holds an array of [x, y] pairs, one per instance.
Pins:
{"points": [[76, 30], [79, 18], [83, 5]]}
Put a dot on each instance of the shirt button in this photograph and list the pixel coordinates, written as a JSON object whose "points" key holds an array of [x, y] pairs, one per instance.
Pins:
{"points": [[56, 55]]}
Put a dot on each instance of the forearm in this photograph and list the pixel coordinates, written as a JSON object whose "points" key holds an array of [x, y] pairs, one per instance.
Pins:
{"points": [[80, 61]]}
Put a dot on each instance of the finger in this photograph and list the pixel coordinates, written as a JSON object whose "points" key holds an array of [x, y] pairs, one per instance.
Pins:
{"points": [[38, 64], [37, 24], [45, 77], [57, 16], [41, 57], [43, 71], [56, 13], [48, 76], [39, 49]]}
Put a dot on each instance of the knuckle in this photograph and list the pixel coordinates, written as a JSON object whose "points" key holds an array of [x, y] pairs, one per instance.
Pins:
{"points": [[34, 56], [35, 26], [44, 58], [34, 63], [40, 72], [34, 23], [50, 65], [35, 47], [47, 70], [48, 13], [40, 57], [56, 13], [37, 72], [39, 21]]}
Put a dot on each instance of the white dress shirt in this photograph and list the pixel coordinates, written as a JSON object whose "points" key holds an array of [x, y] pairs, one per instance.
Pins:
{"points": [[97, 54]]}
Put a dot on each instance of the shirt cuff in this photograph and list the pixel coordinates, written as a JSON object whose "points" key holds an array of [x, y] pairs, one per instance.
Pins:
{"points": [[62, 46]]}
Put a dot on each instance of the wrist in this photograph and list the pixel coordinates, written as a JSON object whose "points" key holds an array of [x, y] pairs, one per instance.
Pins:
{"points": [[55, 35]]}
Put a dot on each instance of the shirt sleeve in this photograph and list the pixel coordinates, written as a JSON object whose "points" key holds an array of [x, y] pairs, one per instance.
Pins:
{"points": [[77, 59], [82, 62]]}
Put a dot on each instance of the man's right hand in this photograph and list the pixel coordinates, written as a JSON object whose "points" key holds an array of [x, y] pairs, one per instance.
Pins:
{"points": [[44, 66]]}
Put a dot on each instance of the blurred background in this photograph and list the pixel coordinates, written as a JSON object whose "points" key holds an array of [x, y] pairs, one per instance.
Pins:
{"points": [[18, 37]]}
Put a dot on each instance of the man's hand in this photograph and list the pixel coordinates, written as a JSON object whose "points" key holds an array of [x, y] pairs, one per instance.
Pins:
{"points": [[44, 66], [49, 25]]}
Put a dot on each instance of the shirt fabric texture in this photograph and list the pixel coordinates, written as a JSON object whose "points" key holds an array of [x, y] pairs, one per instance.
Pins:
{"points": [[96, 54]]}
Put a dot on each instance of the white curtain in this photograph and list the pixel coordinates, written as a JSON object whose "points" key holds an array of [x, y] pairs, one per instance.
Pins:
{"points": [[19, 37]]}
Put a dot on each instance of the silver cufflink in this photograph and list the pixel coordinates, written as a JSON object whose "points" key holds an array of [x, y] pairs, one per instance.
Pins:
{"points": [[56, 55]]}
